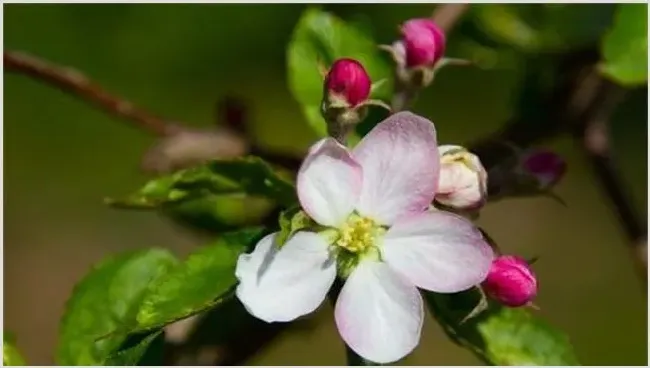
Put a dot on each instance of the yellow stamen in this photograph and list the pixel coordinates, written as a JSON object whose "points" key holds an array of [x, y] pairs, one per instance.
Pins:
{"points": [[357, 235]]}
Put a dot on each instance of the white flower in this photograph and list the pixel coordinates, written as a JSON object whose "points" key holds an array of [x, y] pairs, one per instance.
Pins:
{"points": [[375, 200], [463, 180]]}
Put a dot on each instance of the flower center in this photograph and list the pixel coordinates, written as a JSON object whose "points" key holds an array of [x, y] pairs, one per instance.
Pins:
{"points": [[358, 234]]}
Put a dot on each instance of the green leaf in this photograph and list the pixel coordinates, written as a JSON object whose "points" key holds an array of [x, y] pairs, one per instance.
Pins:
{"points": [[217, 196], [10, 353], [500, 335], [625, 47], [204, 280], [320, 38], [255, 177], [244, 176], [107, 299], [291, 221], [133, 355]]}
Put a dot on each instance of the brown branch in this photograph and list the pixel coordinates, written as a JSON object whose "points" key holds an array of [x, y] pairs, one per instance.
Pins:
{"points": [[592, 133], [447, 15], [581, 105], [72, 81], [180, 146]]}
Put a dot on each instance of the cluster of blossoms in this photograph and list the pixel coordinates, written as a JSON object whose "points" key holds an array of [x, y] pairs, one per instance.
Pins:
{"points": [[383, 222]]}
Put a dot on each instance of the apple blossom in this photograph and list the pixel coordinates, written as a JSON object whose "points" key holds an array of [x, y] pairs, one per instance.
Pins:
{"points": [[376, 231]]}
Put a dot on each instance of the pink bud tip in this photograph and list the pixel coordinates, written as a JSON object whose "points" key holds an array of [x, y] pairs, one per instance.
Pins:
{"points": [[424, 42], [511, 281], [348, 79], [548, 167]]}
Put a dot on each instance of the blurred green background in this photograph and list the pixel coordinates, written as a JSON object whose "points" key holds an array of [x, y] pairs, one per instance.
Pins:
{"points": [[62, 157]]}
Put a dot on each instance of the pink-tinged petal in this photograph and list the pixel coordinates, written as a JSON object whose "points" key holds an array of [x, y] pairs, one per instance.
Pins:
{"points": [[329, 183], [438, 251], [282, 285], [379, 314], [400, 165]]}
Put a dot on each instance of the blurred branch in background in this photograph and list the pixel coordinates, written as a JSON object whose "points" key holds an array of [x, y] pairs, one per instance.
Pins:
{"points": [[446, 16], [179, 146], [76, 83], [580, 104], [593, 134]]}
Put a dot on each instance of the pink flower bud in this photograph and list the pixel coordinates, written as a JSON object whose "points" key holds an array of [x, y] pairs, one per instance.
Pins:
{"points": [[548, 167], [511, 281], [349, 81], [462, 183], [424, 42]]}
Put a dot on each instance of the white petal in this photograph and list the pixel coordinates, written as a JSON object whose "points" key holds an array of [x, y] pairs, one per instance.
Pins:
{"points": [[400, 164], [379, 314], [329, 183], [438, 251], [282, 285]]}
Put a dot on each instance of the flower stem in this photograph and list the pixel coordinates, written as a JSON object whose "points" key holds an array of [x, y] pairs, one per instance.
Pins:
{"points": [[402, 99], [353, 358]]}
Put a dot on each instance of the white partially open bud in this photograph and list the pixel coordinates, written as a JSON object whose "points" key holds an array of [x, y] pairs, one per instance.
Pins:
{"points": [[463, 180]]}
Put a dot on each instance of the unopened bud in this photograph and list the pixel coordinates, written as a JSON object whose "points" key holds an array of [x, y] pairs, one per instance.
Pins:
{"points": [[511, 281], [545, 166], [463, 180], [423, 41], [346, 95], [347, 83], [419, 54]]}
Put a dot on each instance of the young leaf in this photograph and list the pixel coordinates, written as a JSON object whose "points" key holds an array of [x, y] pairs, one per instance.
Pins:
{"points": [[10, 354], [216, 196], [106, 300], [500, 335], [255, 177], [625, 47], [204, 280], [320, 38], [291, 221], [245, 176]]}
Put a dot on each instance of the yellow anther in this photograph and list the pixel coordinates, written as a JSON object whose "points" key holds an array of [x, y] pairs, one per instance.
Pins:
{"points": [[357, 235]]}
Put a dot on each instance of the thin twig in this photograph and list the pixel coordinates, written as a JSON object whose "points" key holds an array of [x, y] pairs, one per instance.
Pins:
{"points": [[446, 16], [592, 133], [71, 80], [180, 146]]}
